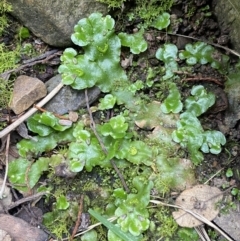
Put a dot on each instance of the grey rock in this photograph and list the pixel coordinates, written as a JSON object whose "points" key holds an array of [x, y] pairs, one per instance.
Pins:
{"points": [[53, 20], [229, 222], [232, 115], [228, 16], [26, 92], [67, 98]]}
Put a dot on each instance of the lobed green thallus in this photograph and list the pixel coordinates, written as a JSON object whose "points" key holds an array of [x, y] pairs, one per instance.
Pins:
{"points": [[146, 160]]}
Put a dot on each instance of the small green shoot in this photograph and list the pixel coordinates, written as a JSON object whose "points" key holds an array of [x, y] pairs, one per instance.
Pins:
{"points": [[20, 168], [162, 21], [168, 54], [62, 203], [173, 102], [45, 123], [116, 230], [23, 33], [190, 133], [132, 212], [90, 236], [200, 101], [135, 42], [202, 53], [229, 172], [115, 128], [187, 234], [212, 142], [107, 102]]}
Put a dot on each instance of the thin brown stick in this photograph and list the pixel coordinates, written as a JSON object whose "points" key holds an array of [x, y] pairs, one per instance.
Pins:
{"points": [[194, 214], [6, 167], [26, 199], [30, 112], [47, 54], [203, 79], [78, 222], [30, 64], [93, 127], [207, 42], [56, 115]]}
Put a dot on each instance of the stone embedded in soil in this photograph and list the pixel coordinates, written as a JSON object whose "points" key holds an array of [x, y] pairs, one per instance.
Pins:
{"points": [[26, 92], [68, 99], [232, 114], [19, 230], [229, 222], [227, 13], [53, 20]]}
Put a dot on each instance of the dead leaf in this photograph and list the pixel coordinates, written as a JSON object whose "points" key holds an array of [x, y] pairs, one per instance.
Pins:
{"points": [[200, 199], [73, 116], [125, 63]]}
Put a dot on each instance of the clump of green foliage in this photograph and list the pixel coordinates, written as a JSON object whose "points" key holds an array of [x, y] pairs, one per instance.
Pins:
{"points": [[8, 58], [203, 53], [190, 133], [147, 161], [6, 88], [113, 3], [4, 8], [146, 10], [150, 10]]}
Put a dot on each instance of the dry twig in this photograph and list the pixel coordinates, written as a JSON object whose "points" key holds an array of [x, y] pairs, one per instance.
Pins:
{"points": [[78, 222], [93, 127], [203, 79], [31, 111], [48, 55], [56, 115], [196, 215], [26, 199], [207, 42]]}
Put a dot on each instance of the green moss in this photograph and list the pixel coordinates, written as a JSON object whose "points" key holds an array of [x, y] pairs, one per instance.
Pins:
{"points": [[144, 9], [149, 10], [113, 3], [8, 58], [6, 88], [4, 8]]}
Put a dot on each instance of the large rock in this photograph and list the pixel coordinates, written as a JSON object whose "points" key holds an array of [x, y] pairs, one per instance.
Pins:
{"points": [[53, 20], [228, 16], [68, 99]]}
